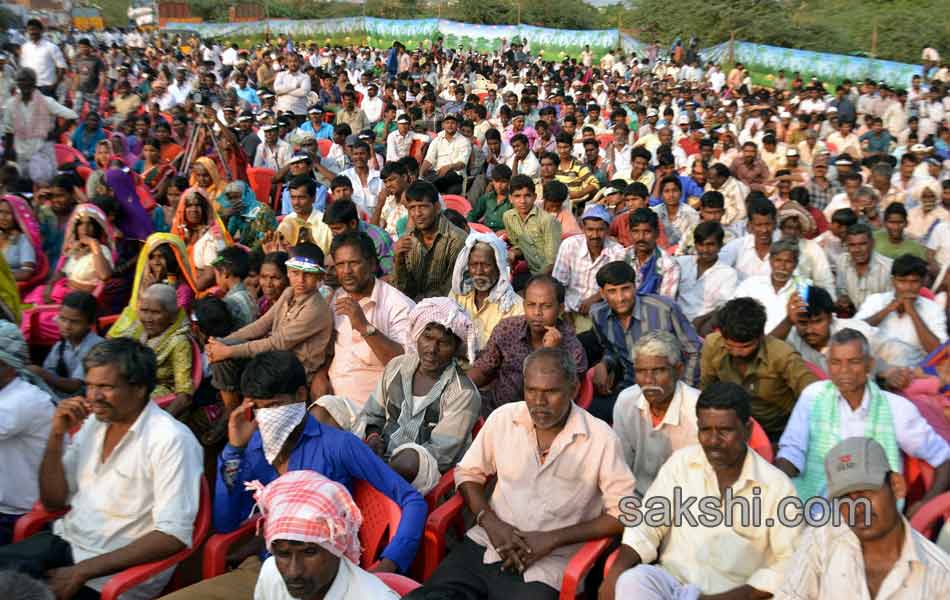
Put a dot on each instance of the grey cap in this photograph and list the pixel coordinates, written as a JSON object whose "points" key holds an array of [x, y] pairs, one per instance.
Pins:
{"points": [[855, 464]]}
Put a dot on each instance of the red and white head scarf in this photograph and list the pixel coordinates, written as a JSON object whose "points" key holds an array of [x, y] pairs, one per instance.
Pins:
{"points": [[447, 313], [304, 506]]}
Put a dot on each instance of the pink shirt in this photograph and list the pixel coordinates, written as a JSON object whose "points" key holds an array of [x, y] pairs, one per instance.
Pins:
{"points": [[583, 477], [355, 369]]}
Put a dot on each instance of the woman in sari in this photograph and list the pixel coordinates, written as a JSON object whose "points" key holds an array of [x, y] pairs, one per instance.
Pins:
{"points": [[272, 279], [88, 135], [120, 148], [102, 156], [206, 177], [20, 239], [85, 264], [9, 294], [197, 223], [248, 220], [156, 172]]}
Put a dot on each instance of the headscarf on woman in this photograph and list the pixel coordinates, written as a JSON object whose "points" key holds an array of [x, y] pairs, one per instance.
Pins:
{"points": [[255, 219], [71, 238], [217, 182], [29, 227], [213, 221], [134, 221], [120, 147], [130, 316]]}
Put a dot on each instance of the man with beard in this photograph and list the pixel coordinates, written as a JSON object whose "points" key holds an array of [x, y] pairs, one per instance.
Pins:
{"points": [[559, 478], [875, 553], [115, 520], [271, 434], [481, 284], [657, 416], [679, 559], [750, 169]]}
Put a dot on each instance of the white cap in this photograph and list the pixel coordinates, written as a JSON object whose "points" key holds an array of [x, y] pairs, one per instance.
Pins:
{"points": [[651, 112], [682, 120]]}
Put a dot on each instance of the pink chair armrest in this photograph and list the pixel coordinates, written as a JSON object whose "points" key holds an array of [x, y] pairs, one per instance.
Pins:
{"points": [[129, 578], [214, 562], [611, 560], [437, 525], [930, 513], [33, 521], [580, 565], [442, 489]]}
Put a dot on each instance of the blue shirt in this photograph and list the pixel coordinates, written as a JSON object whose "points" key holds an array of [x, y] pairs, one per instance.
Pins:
{"points": [[690, 188], [324, 133], [319, 203], [339, 456]]}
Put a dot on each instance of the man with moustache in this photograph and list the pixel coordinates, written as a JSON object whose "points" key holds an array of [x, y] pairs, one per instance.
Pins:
{"points": [[130, 477]]}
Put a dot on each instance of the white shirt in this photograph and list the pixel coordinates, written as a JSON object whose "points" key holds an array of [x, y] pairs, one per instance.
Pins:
{"points": [[179, 93], [914, 434], [24, 428], [901, 327], [273, 158], [157, 467], [350, 583], [291, 90], [443, 152], [939, 242], [44, 58], [229, 57], [760, 287], [577, 272], [741, 255], [528, 166], [364, 197], [698, 296], [372, 108]]}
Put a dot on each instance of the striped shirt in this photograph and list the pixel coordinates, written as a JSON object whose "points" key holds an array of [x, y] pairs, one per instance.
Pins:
{"points": [[649, 313], [576, 177], [575, 269], [538, 237], [859, 287]]}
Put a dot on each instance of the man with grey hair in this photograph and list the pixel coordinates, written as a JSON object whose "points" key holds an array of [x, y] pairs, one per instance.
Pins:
{"points": [[852, 404], [777, 289], [657, 416]]}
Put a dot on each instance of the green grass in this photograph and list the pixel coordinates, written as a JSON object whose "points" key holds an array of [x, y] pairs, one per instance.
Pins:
{"points": [[114, 12]]}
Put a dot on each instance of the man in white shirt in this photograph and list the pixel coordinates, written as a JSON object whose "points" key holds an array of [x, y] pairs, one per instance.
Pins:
{"points": [[366, 181], [692, 560], [44, 57], [372, 104], [749, 254], [24, 426], [292, 88], [733, 191], [904, 316], [657, 416], [399, 142], [875, 553], [705, 282], [130, 475], [776, 289], [522, 160], [274, 153], [446, 157], [851, 404]]}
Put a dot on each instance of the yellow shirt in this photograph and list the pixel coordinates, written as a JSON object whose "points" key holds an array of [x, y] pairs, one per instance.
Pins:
{"points": [[486, 317], [718, 558]]}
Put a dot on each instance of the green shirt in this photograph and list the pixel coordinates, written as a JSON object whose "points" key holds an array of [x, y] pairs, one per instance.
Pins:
{"points": [[488, 212], [884, 246], [538, 238]]}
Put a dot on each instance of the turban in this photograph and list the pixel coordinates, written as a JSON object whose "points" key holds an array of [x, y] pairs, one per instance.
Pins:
{"points": [[793, 209], [447, 313], [304, 506], [15, 354]]}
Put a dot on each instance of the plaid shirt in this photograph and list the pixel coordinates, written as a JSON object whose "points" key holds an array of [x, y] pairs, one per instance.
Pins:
{"points": [[426, 272], [820, 198], [575, 269], [650, 312]]}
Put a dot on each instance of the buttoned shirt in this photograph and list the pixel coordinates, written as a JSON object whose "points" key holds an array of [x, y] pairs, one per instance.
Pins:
{"points": [[858, 287], [583, 477], [398, 145], [24, 429], [529, 165], [150, 482], [443, 151], [775, 376], [700, 295], [647, 444], [775, 301], [821, 196], [920, 224], [426, 272], [650, 312], [829, 565], [900, 328], [355, 118], [578, 272], [880, 346], [741, 255], [488, 316], [915, 436], [356, 369], [364, 195], [291, 90], [667, 267], [44, 58], [273, 158], [720, 558], [686, 219], [755, 175], [537, 236], [71, 355], [734, 193]]}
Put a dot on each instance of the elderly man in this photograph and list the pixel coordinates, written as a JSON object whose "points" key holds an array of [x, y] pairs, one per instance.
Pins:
{"points": [[130, 477], [482, 286], [29, 121], [741, 352], [852, 404], [861, 272], [311, 527], [776, 289], [720, 561], [657, 416], [566, 490], [423, 434], [875, 553]]}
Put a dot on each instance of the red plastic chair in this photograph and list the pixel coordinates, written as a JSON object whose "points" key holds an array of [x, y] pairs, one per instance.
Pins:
{"points": [[83, 172], [400, 584], [927, 293], [926, 519], [67, 154], [481, 96], [919, 476], [261, 181], [585, 395], [122, 582], [457, 203], [605, 139], [480, 228], [580, 565], [197, 370], [103, 324], [818, 371], [381, 518], [759, 442], [324, 145], [415, 150]]}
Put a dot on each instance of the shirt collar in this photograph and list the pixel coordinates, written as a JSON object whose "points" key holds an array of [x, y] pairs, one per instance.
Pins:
{"points": [[672, 416], [749, 474], [575, 425]]}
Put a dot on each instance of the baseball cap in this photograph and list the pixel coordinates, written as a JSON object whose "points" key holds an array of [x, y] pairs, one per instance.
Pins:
{"points": [[682, 120], [299, 157], [791, 152], [403, 118], [918, 148], [652, 112], [596, 211], [450, 117], [854, 465], [269, 128], [314, 110]]}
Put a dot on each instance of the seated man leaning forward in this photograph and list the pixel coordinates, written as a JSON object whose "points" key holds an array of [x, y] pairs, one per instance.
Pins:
{"points": [[270, 435], [131, 477], [722, 561], [311, 527], [657, 416], [560, 477], [421, 414], [874, 552]]}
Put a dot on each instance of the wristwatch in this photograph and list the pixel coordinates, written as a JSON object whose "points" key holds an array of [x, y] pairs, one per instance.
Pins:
{"points": [[370, 331]]}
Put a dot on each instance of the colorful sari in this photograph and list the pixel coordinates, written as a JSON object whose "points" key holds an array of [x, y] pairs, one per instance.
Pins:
{"points": [[134, 221], [29, 227], [250, 225], [218, 183], [76, 263], [213, 239], [9, 294], [122, 151], [173, 354], [186, 289]]}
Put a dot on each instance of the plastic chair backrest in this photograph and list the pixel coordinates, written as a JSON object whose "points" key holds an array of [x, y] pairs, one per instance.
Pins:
{"points": [[457, 203], [381, 518], [818, 371], [67, 154], [83, 172], [480, 228], [604, 139], [261, 180], [759, 442], [415, 149], [929, 515], [927, 293], [919, 476], [585, 394], [400, 584], [324, 145]]}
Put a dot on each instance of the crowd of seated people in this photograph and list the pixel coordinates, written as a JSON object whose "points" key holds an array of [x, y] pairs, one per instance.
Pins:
{"points": [[346, 323]]}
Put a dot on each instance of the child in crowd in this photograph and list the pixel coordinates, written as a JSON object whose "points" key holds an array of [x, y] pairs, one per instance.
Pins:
{"points": [[62, 370]]}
